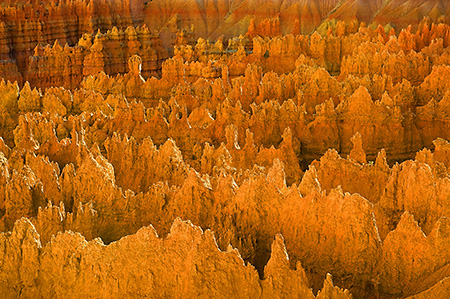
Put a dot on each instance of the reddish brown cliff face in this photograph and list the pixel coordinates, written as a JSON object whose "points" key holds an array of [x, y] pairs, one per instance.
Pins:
{"points": [[293, 149]]}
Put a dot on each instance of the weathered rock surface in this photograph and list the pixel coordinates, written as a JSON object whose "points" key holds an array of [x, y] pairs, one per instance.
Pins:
{"points": [[109, 52], [297, 163], [26, 24], [188, 259]]}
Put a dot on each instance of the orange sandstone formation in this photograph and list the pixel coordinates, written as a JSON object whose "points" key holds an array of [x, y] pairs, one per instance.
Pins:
{"points": [[258, 161], [26, 24]]}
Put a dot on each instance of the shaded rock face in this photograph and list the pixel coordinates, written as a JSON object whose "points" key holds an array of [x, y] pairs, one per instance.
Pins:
{"points": [[109, 52], [26, 24], [214, 18], [258, 165]]}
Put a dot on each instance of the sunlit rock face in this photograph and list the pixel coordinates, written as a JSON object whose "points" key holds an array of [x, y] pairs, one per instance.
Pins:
{"points": [[224, 149]]}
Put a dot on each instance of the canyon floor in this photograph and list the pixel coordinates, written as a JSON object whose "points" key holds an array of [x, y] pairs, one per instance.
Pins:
{"points": [[225, 149]]}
